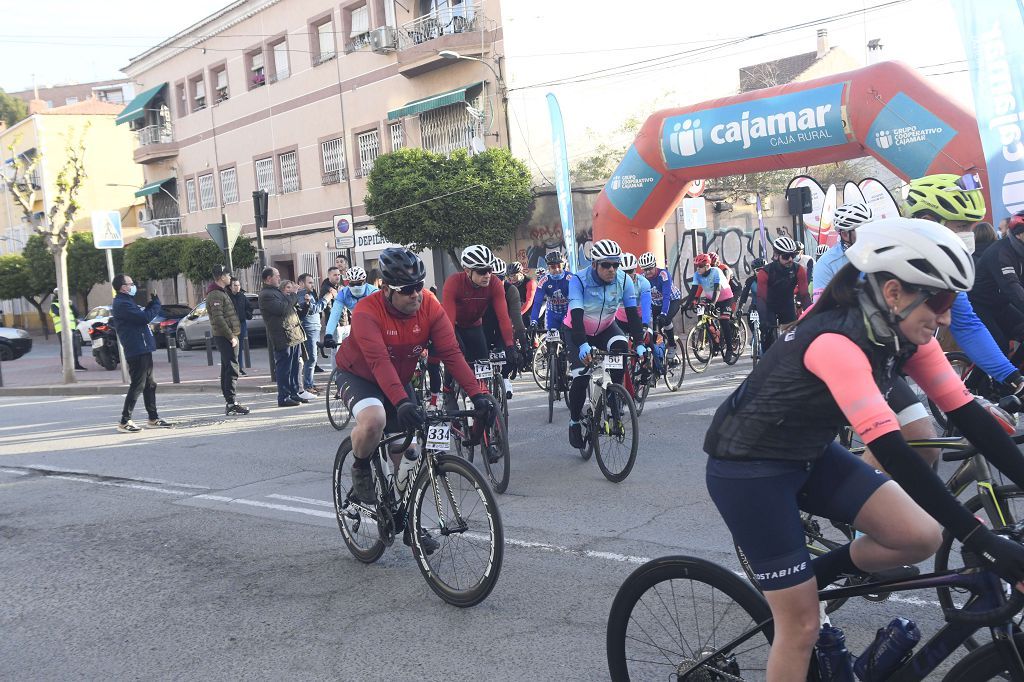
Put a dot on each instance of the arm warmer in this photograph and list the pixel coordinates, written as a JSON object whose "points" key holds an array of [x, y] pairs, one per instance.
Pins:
{"points": [[636, 329], [981, 429], [579, 334]]}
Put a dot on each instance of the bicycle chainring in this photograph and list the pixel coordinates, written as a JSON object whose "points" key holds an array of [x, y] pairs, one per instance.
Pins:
{"points": [[716, 669], [385, 524]]}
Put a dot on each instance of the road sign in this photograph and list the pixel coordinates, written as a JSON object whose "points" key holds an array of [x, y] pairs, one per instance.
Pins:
{"points": [[344, 234], [106, 230], [224, 238]]}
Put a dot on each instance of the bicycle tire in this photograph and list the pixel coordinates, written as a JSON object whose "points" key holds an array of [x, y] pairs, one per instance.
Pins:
{"points": [[640, 388], [983, 663], [743, 334], [738, 341], [540, 367], [497, 472], [607, 434], [675, 368], [350, 522], [704, 578], [587, 420], [552, 386], [698, 339], [434, 566], [460, 426], [337, 411]]}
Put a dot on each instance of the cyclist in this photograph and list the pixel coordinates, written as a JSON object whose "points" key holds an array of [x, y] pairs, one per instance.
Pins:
{"points": [[750, 285], [526, 287], [711, 283], [376, 363], [847, 219], [553, 291], [595, 295], [666, 299], [492, 329], [348, 297], [777, 282], [806, 262], [822, 248], [772, 442], [642, 289], [998, 296]]}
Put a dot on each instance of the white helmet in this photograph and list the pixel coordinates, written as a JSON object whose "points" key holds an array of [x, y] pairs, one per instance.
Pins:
{"points": [[822, 248], [851, 216], [606, 249], [784, 244], [918, 252], [499, 266], [647, 260], [477, 256], [356, 274], [628, 261]]}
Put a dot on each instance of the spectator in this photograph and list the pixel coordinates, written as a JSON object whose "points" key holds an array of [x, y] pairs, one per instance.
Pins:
{"points": [[76, 341], [342, 264], [132, 324], [333, 281], [284, 332], [310, 308], [984, 236], [375, 278], [226, 328], [244, 311]]}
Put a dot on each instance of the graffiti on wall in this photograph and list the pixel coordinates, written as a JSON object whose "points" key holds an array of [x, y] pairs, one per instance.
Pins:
{"points": [[735, 246], [542, 239]]}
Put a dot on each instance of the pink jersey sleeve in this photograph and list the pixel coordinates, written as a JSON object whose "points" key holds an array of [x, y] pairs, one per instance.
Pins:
{"points": [[932, 372], [838, 362]]}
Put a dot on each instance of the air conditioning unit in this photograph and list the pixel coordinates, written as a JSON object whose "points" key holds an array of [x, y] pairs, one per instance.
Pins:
{"points": [[144, 214], [383, 40]]}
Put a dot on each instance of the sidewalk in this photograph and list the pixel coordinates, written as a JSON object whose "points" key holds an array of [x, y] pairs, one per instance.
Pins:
{"points": [[39, 373]]}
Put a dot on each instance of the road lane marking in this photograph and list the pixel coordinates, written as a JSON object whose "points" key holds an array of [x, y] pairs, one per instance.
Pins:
{"points": [[301, 500]]}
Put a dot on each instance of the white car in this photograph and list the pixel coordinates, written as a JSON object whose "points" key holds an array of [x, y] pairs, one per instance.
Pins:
{"points": [[100, 313]]}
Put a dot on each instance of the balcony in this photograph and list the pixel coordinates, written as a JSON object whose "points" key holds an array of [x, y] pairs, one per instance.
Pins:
{"points": [[333, 177], [155, 134], [162, 227], [454, 28], [156, 143]]}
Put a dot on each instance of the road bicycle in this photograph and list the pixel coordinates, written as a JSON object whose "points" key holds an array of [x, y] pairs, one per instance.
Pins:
{"points": [[444, 497], [541, 355], [704, 339], [555, 370], [610, 421], [640, 377], [337, 407], [494, 447], [754, 320], [668, 360], [685, 618]]}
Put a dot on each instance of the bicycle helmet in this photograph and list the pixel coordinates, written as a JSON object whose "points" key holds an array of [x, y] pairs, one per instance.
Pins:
{"points": [[702, 259], [628, 261], [540, 273], [606, 249], [498, 266], [757, 264], [477, 256], [784, 244], [940, 194], [799, 246], [356, 274], [647, 260], [515, 268], [822, 248], [554, 258], [401, 267], [917, 252], [851, 216], [714, 258], [1016, 223]]}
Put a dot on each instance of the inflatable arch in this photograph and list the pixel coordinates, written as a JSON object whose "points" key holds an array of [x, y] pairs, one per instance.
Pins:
{"points": [[885, 110]]}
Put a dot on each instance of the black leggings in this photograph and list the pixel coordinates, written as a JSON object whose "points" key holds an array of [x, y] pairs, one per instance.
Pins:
{"points": [[473, 343], [669, 330], [611, 339]]}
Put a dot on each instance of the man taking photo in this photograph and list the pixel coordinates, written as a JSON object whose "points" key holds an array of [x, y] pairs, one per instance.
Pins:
{"points": [[132, 324]]}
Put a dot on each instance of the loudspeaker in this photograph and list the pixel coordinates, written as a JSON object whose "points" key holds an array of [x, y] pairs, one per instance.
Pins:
{"points": [[799, 200]]}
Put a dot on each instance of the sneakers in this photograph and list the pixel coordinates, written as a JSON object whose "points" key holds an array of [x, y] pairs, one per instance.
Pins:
{"points": [[427, 543], [297, 398], [159, 424], [314, 390], [576, 435], [493, 453], [317, 369], [235, 408], [128, 427], [288, 403], [242, 372], [362, 485], [307, 396], [508, 389]]}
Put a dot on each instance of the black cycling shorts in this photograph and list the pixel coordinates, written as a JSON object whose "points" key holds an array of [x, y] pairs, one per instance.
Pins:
{"points": [[359, 393], [761, 501]]}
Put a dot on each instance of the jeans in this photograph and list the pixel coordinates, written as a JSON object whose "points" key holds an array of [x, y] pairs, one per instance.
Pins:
{"points": [[140, 369], [228, 368], [244, 333], [286, 362], [307, 366]]}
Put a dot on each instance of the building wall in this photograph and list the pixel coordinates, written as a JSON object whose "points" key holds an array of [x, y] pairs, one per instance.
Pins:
{"points": [[119, 89]]}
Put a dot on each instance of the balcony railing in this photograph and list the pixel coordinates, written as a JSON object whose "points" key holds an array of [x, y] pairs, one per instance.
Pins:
{"points": [[333, 177], [163, 227], [322, 57], [463, 18], [155, 134]]}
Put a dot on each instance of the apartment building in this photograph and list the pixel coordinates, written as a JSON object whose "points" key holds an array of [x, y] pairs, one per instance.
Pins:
{"points": [[298, 98], [116, 91]]}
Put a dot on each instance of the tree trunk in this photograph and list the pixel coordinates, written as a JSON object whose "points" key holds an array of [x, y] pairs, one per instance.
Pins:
{"points": [[67, 348]]}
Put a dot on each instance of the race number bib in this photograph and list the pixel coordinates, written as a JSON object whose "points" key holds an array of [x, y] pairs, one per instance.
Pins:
{"points": [[498, 357], [754, 317], [439, 436], [700, 310], [552, 335], [613, 362], [482, 370]]}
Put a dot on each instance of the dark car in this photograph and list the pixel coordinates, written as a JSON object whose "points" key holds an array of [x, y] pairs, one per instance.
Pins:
{"points": [[166, 323], [191, 330], [14, 343]]}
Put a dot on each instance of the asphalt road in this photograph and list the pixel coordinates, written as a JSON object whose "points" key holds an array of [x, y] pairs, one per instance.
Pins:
{"points": [[211, 550]]}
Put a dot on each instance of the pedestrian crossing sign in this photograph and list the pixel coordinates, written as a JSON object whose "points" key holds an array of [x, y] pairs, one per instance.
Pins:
{"points": [[106, 230]]}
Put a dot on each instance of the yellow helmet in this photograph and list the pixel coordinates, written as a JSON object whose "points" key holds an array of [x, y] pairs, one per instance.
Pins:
{"points": [[942, 195]]}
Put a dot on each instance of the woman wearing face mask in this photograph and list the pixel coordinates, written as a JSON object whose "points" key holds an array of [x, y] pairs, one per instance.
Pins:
{"points": [[348, 297]]}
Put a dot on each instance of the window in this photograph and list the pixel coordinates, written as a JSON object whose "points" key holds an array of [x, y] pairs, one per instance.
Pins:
{"points": [[265, 175], [71, 100], [190, 193], [257, 77], [397, 135], [229, 185], [446, 129], [369, 150], [324, 43], [207, 196], [333, 154], [182, 99], [359, 35], [197, 86], [279, 52], [289, 165], [220, 84]]}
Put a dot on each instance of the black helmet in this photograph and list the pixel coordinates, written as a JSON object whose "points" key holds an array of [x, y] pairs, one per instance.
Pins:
{"points": [[554, 258], [515, 267], [401, 267]]}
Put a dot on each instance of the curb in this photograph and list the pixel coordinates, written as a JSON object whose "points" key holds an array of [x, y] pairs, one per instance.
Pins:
{"points": [[121, 389]]}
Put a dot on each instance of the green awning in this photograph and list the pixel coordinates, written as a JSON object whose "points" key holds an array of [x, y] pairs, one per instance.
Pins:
{"points": [[152, 188], [136, 109], [433, 102]]}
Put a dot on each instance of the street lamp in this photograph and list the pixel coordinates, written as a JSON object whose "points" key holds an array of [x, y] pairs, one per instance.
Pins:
{"points": [[451, 54]]}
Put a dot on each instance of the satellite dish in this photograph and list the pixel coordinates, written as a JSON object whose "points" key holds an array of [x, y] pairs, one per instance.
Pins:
{"points": [[478, 145]]}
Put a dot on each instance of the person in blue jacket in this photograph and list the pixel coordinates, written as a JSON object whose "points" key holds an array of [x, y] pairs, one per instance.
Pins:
{"points": [[347, 299], [553, 291], [132, 324]]}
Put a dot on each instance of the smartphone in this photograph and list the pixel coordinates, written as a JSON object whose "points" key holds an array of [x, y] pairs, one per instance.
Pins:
{"points": [[970, 181]]}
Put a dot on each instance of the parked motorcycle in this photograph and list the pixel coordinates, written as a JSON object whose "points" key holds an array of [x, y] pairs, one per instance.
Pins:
{"points": [[104, 345]]}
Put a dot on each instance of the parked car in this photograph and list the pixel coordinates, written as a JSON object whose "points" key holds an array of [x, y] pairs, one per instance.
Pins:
{"points": [[192, 328], [100, 313], [14, 343], [166, 324]]}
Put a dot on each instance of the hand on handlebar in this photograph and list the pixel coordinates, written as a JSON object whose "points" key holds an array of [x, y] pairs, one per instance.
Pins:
{"points": [[585, 352], [484, 404], [1001, 555]]}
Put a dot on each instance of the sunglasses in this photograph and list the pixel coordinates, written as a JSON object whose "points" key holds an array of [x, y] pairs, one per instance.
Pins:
{"points": [[939, 301], [787, 256], [608, 264], [410, 289], [482, 271]]}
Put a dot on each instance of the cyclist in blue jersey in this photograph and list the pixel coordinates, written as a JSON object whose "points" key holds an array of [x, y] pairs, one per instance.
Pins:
{"points": [[595, 294], [643, 291], [347, 298], [712, 284], [552, 290], [666, 299], [846, 221]]}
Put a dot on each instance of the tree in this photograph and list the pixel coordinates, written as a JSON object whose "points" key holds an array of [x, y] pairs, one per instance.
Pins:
{"points": [[40, 279], [87, 265], [12, 109], [432, 201], [198, 256], [13, 275], [243, 253]]}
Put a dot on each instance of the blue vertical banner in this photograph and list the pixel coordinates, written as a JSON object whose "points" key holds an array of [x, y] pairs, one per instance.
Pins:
{"points": [[562, 185], [760, 227], [992, 33]]}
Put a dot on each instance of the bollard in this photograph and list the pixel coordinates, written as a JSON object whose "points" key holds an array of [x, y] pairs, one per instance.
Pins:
{"points": [[171, 341], [270, 354], [1, 372], [172, 355], [245, 352], [209, 349]]}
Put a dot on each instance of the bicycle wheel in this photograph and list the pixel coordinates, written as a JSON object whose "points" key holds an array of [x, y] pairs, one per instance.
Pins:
{"points": [[985, 663], [458, 509], [741, 333], [674, 611], [337, 410], [460, 425], [618, 433], [495, 440], [552, 383], [736, 344], [358, 526], [540, 366], [698, 348], [675, 367], [1011, 500], [641, 388], [755, 344]]}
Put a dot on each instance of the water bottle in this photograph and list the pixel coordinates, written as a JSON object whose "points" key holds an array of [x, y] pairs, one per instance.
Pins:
{"points": [[891, 646], [659, 354], [834, 661], [405, 470]]}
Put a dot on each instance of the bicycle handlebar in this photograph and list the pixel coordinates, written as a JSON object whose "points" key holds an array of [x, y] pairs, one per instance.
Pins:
{"points": [[992, 617]]}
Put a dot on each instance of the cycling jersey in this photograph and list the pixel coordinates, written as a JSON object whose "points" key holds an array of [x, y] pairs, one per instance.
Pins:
{"points": [[663, 291], [491, 326], [345, 300], [828, 265], [643, 300], [599, 300], [527, 288], [385, 345], [465, 303], [776, 285], [714, 279], [556, 293]]}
